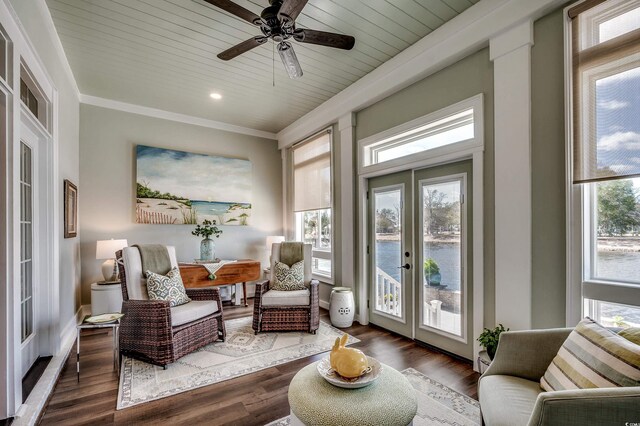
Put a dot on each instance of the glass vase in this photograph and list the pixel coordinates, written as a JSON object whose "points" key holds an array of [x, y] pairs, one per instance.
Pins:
{"points": [[207, 249]]}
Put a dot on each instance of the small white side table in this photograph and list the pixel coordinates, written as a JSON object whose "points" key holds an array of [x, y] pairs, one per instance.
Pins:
{"points": [[116, 342], [105, 298]]}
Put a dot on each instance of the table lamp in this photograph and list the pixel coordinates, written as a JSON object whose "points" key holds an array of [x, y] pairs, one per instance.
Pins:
{"points": [[106, 249], [271, 239]]}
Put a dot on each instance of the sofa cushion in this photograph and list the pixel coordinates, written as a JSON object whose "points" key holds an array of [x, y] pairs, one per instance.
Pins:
{"points": [[167, 287], [593, 357], [287, 278], [286, 298], [192, 311], [507, 400]]}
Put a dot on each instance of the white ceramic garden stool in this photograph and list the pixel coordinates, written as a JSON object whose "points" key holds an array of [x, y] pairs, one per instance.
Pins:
{"points": [[390, 400], [341, 307]]}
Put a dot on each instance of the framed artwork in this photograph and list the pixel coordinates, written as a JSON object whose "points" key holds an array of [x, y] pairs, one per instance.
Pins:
{"points": [[183, 188], [70, 209]]}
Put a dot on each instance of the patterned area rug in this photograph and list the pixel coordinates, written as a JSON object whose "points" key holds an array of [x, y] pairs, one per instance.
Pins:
{"points": [[242, 353], [437, 404]]}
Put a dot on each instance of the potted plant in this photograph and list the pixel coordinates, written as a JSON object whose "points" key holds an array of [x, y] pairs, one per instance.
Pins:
{"points": [[489, 339], [207, 246], [432, 272]]}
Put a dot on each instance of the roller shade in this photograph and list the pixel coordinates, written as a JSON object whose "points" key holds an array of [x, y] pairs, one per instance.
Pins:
{"points": [[606, 87], [312, 173]]}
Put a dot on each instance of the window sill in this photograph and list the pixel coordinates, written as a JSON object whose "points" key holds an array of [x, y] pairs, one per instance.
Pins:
{"points": [[323, 279]]}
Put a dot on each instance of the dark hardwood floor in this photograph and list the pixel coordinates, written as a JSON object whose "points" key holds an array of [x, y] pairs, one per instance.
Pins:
{"points": [[254, 399]]}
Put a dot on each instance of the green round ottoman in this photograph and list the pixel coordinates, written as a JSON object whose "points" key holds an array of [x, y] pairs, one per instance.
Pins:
{"points": [[390, 400]]}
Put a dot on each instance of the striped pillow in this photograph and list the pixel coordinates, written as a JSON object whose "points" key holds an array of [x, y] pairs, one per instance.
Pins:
{"points": [[593, 357]]}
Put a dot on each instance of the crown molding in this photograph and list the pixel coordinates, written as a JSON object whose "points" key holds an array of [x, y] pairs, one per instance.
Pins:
{"points": [[57, 44], [457, 38], [173, 116]]}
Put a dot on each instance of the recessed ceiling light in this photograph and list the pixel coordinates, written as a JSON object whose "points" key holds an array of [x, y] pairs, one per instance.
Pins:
{"points": [[216, 96]]}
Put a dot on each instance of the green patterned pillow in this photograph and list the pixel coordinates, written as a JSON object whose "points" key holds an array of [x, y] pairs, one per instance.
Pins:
{"points": [[169, 287], [287, 278], [593, 357]]}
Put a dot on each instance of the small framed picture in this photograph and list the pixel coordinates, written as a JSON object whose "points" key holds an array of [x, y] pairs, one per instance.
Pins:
{"points": [[70, 209]]}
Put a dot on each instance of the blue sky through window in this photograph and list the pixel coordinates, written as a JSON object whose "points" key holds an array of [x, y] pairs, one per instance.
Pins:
{"points": [[618, 122]]}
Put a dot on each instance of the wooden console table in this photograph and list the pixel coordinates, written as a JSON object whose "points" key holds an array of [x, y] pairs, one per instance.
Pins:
{"points": [[241, 271]]}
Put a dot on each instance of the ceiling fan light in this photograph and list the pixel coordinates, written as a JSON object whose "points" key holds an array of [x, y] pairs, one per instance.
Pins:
{"points": [[289, 59]]}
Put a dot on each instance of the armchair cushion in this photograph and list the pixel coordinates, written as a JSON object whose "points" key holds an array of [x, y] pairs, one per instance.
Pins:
{"points": [[507, 400], [136, 280], [307, 252], [192, 311], [287, 278], [169, 287], [286, 298], [593, 357]]}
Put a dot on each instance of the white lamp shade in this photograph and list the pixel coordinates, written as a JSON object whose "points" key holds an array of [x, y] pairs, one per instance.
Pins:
{"points": [[272, 239], [106, 249]]}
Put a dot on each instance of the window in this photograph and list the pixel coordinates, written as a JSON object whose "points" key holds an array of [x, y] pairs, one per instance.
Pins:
{"points": [[28, 98], [33, 98], [450, 129], [312, 199], [606, 157]]}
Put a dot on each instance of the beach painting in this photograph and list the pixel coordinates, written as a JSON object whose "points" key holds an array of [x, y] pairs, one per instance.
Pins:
{"points": [[183, 188]]}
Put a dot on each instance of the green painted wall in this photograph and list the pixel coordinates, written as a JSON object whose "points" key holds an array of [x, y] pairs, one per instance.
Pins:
{"points": [[464, 79], [548, 174]]}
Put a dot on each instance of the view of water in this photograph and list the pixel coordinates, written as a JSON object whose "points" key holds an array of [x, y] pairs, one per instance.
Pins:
{"points": [[447, 255], [611, 264], [211, 208], [619, 265]]}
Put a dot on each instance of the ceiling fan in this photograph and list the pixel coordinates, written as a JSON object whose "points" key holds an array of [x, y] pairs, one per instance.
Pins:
{"points": [[278, 22]]}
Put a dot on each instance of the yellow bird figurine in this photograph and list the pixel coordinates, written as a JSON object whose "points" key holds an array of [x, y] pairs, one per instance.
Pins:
{"points": [[348, 362]]}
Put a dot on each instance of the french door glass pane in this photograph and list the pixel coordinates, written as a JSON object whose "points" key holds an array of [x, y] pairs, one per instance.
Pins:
{"points": [[388, 251], [26, 241], [441, 256], [617, 230]]}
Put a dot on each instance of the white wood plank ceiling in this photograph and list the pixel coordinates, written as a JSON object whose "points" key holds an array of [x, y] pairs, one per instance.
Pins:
{"points": [[162, 53]]}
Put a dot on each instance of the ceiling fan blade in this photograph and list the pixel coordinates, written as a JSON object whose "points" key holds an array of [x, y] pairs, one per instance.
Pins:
{"points": [[290, 10], [236, 10], [241, 48], [322, 38]]}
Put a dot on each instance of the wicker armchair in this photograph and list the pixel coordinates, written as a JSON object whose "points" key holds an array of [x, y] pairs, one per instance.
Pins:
{"points": [[156, 333], [287, 310]]}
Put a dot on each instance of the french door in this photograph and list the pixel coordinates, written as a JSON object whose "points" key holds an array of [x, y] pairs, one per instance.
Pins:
{"points": [[419, 256], [391, 252]]}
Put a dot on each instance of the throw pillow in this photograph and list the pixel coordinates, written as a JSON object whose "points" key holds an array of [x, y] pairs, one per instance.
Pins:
{"points": [[169, 287], [632, 334], [593, 357], [287, 278]]}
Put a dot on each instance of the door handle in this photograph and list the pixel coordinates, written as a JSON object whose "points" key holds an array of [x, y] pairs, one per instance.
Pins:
{"points": [[405, 266]]}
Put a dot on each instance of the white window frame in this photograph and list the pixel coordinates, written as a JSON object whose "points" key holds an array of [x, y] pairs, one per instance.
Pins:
{"points": [[580, 207], [297, 225], [366, 145]]}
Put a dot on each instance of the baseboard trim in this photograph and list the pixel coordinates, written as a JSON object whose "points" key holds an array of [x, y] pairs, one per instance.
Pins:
{"points": [[324, 304], [31, 410]]}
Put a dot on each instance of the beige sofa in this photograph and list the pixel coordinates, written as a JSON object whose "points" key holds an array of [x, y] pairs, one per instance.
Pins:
{"points": [[510, 393]]}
